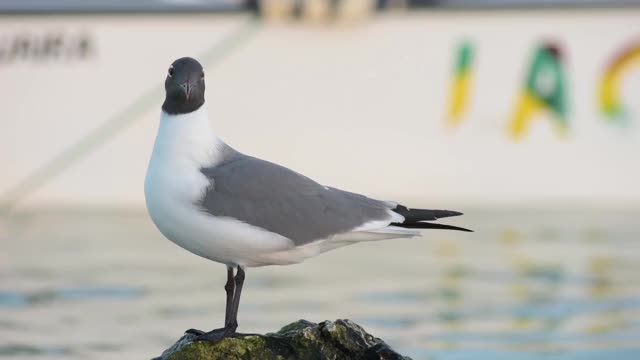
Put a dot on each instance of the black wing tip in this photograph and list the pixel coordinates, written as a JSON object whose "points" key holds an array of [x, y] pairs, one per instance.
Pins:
{"points": [[418, 218], [447, 213], [415, 215], [428, 225], [465, 230], [451, 227], [454, 213]]}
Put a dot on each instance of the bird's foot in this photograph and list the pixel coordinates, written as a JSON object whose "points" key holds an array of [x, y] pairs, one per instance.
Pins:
{"points": [[194, 332], [213, 335]]}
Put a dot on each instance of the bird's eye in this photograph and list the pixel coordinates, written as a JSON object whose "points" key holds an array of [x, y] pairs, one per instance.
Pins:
{"points": [[202, 75], [171, 71]]}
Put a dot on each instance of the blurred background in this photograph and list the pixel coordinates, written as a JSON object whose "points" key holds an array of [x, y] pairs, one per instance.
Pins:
{"points": [[522, 114]]}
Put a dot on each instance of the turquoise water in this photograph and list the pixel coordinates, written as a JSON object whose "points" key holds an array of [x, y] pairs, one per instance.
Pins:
{"points": [[561, 284]]}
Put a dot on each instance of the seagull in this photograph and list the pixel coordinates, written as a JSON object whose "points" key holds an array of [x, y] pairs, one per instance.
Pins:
{"points": [[241, 211]]}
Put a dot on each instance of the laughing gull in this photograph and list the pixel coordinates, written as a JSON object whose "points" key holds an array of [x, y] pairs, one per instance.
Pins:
{"points": [[241, 211]]}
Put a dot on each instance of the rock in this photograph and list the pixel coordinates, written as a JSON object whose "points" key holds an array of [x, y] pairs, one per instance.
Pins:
{"points": [[340, 339]]}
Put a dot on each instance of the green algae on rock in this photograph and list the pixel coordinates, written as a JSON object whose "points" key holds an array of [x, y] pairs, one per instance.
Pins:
{"points": [[340, 339]]}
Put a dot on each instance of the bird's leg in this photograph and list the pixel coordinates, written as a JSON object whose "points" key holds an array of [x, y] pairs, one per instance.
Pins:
{"points": [[229, 288], [231, 325], [234, 290]]}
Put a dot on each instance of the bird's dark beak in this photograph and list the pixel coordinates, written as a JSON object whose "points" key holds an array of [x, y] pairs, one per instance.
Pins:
{"points": [[186, 87]]}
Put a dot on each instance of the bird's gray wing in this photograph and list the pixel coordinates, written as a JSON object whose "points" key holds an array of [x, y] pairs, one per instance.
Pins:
{"points": [[277, 199]]}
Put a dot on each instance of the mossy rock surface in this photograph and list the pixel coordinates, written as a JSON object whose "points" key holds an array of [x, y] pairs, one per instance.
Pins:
{"points": [[340, 339]]}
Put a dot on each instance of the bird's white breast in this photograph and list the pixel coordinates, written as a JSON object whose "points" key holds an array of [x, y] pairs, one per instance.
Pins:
{"points": [[174, 184]]}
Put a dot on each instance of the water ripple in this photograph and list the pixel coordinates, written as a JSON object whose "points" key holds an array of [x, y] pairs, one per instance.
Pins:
{"points": [[21, 299]]}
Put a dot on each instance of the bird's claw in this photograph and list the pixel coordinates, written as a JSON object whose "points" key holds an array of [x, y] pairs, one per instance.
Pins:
{"points": [[213, 335]]}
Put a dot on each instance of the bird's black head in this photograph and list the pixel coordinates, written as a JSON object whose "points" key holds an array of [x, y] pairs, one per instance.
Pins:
{"points": [[184, 86]]}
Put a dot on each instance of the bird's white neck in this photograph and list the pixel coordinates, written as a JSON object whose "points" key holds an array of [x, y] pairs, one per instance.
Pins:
{"points": [[187, 138]]}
